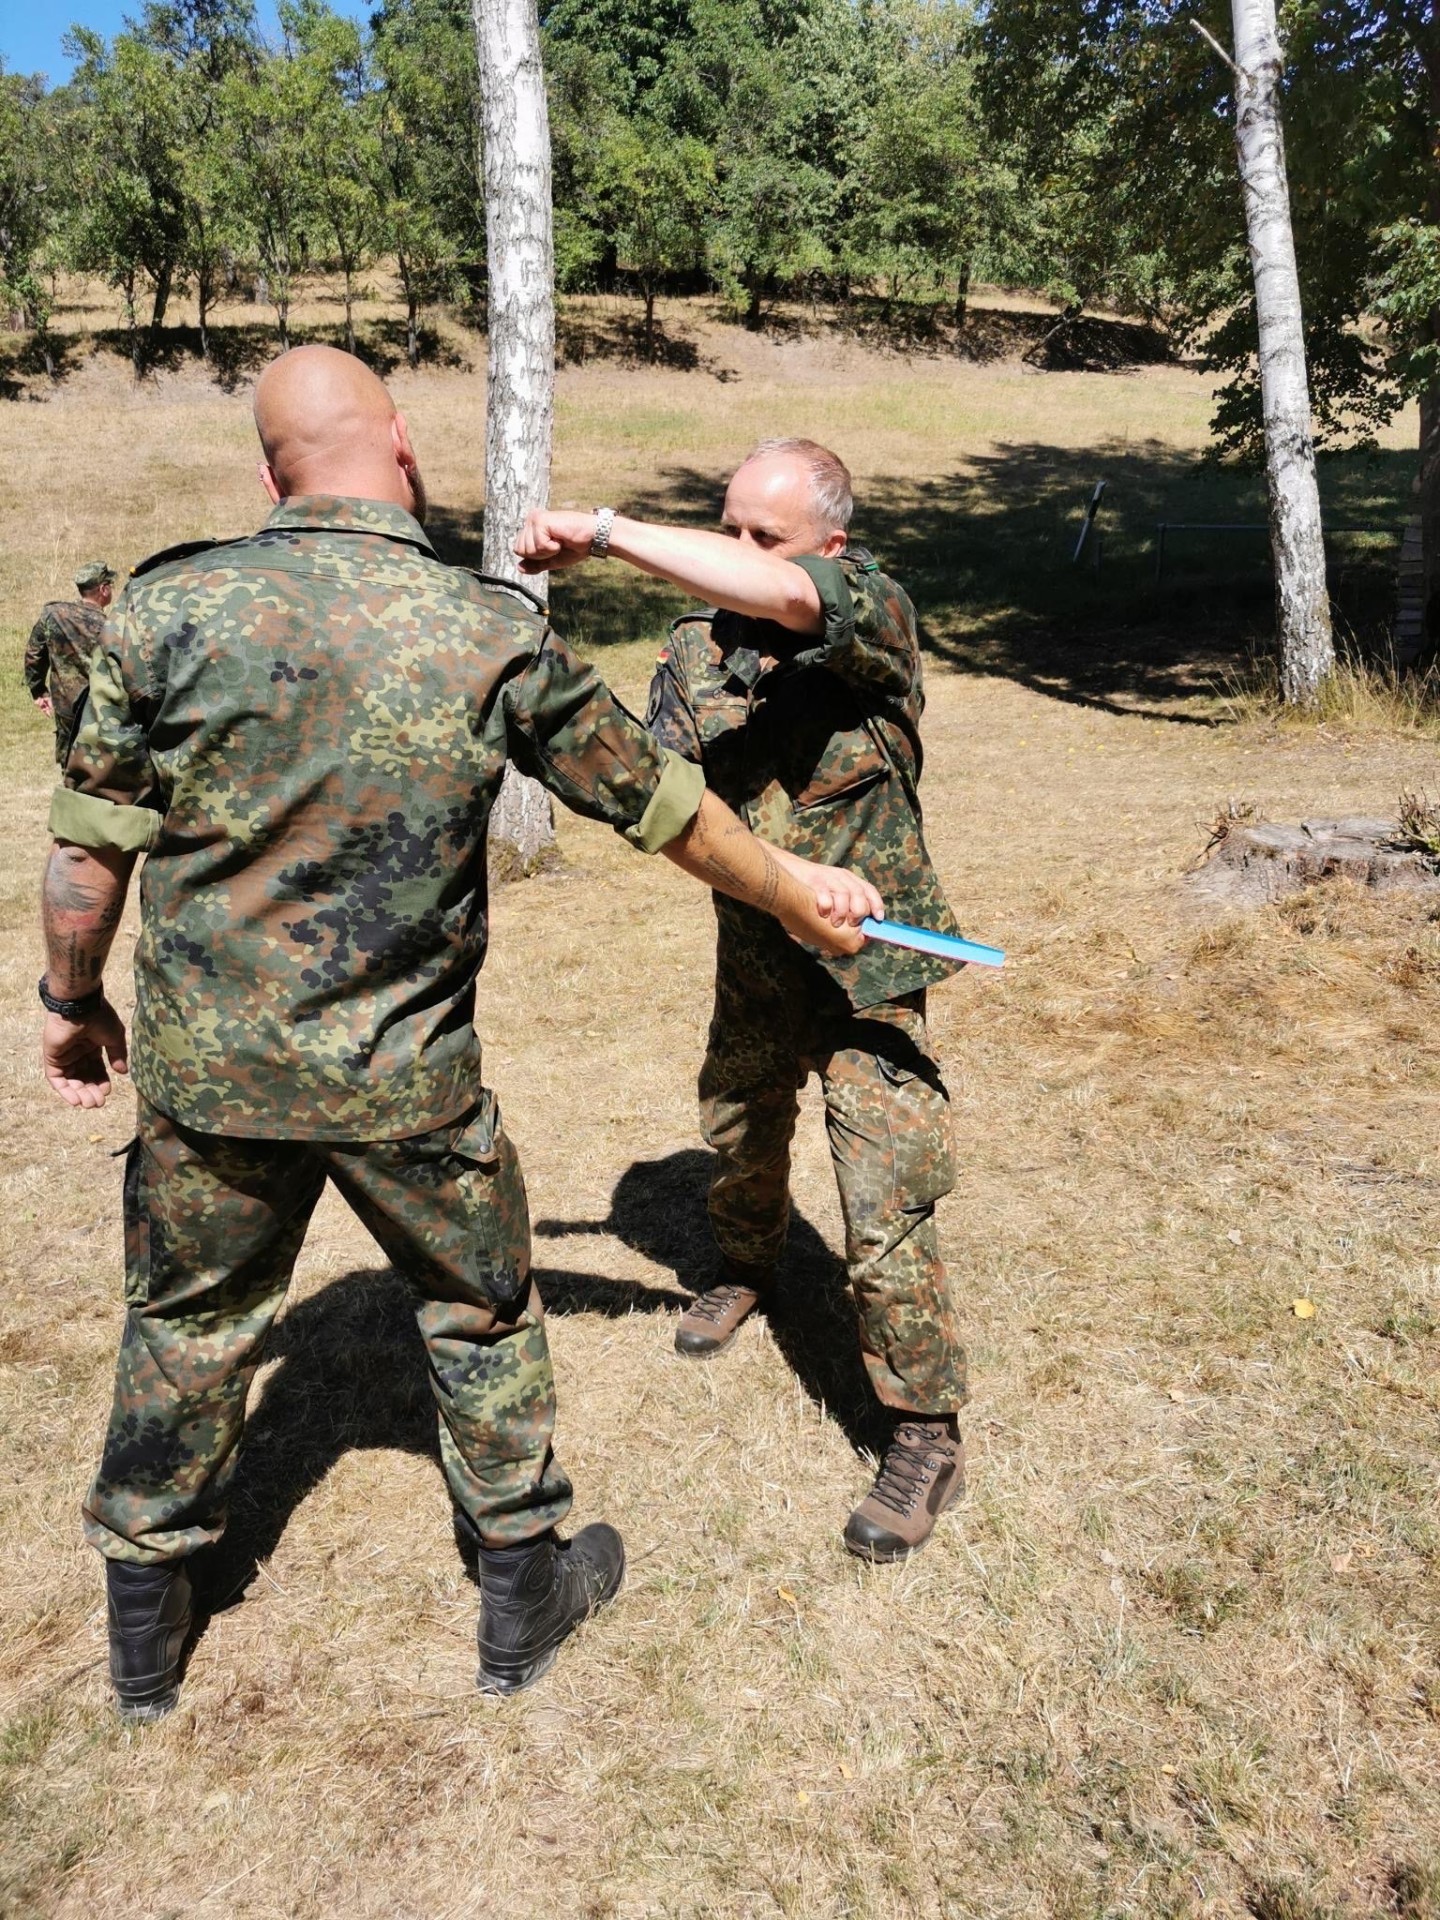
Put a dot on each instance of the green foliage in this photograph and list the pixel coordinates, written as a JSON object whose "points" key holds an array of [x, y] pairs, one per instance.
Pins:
{"points": [[1082, 147], [426, 173], [1123, 119], [27, 173], [655, 191]]}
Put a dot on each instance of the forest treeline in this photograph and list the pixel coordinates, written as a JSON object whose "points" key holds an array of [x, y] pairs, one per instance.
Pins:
{"points": [[899, 149]]}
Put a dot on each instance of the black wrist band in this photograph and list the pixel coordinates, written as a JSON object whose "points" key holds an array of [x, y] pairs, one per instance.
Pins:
{"points": [[73, 1010]]}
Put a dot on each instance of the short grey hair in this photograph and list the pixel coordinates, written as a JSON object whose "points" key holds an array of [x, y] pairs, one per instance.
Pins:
{"points": [[831, 496]]}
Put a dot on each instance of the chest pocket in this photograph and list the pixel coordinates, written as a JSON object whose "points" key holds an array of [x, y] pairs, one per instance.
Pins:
{"points": [[825, 750]]}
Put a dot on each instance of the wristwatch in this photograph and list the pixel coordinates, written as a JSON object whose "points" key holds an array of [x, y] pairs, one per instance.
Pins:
{"points": [[72, 1010], [604, 521]]}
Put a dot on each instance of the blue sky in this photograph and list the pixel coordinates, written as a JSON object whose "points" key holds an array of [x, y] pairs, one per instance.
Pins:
{"points": [[31, 30]]}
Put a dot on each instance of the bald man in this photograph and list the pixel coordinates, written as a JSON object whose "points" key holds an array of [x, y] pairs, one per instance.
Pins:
{"points": [[800, 694], [304, 731]]}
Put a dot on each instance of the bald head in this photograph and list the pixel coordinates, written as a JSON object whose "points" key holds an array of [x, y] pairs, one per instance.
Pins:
{"points": [[327, 425]]}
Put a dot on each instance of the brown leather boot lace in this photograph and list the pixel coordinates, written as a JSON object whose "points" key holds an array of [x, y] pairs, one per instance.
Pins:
{"points": [[906, 1470], [716, 1302]]}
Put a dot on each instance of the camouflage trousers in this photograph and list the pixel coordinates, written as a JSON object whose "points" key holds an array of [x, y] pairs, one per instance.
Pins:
{"points": [[213, 1226], [887, 1116]]}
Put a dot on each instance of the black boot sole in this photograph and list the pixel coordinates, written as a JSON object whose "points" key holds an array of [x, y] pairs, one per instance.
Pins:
{"points": [[142, 1712]]}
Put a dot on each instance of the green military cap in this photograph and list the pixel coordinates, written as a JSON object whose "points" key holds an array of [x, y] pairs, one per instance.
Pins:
{"points": [[94, 574]]}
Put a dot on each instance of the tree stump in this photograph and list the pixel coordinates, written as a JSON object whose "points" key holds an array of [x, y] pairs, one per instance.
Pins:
{"points": [[1255, 862]]}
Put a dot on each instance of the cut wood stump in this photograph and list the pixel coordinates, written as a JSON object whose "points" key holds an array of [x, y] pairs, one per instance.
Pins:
{"points": [[1255, 862]]}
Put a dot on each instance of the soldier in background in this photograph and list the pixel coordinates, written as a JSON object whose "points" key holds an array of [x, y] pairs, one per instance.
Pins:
{"points": [[62, 641], [800, 696], [305, 730]]}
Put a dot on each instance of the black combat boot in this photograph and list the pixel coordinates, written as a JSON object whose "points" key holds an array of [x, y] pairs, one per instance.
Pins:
{"points": [[150, 1619], [534, 1595]]}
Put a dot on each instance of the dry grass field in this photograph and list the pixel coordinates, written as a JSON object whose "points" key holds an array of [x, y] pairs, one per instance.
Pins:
{"points": [[1178, 1652]]}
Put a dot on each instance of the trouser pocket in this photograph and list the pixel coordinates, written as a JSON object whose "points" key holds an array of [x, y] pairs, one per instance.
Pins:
{"points": [[921, 1140], [497, 1215]]}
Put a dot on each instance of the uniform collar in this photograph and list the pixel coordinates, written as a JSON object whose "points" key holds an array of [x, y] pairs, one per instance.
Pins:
{"points": [[339, 513]]}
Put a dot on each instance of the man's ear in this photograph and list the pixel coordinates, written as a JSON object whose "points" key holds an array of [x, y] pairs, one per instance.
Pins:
{"points": [[269, 482], [836, 542], [400, 444]]}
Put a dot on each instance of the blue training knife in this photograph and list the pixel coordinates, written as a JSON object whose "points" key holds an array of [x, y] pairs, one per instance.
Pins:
{"points": [[946, 945]]}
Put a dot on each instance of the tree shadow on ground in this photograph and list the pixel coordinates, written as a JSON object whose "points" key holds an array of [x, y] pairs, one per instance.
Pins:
{"points": [[582, 336], [1051, 342], [658, 1209], [987, 554], [353, 1374], [23, 373]]}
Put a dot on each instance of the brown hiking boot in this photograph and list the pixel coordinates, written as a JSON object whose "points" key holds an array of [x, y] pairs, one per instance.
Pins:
{"points": [[923, 1472], [709, 1324]]}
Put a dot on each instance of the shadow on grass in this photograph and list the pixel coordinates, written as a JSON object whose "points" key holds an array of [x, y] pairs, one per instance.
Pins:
{"points": [[986, 553], [1051, 342], [582, 336], [237, 351], [658, 1209], [353, 1374]]}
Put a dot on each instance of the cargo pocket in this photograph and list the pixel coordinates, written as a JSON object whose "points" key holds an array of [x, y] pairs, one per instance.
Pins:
{"points": [[497, 1213], [137, 1226], [921, 1141]]}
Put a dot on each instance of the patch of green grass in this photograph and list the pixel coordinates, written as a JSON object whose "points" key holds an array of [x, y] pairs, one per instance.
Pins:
{"points": [[1198, 1598]]}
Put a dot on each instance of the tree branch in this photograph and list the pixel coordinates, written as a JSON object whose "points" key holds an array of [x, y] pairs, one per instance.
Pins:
{"points": [[1206, 35]]}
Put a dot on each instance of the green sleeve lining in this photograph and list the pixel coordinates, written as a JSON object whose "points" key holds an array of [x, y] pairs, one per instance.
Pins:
{"points": [[85, 820], [836, 604], [673, 805]]}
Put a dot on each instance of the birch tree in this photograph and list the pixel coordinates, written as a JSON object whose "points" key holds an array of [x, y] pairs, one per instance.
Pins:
{"points": [[1302, 605], [520, 391]]}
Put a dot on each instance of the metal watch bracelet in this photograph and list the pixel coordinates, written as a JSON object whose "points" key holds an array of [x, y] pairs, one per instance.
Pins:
{"points": [[73, 1010], [600, 543]]}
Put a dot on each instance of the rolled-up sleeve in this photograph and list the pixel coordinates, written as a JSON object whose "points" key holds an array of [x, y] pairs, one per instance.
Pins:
{"points": [[869, 634], [566, 729], [111, 795]]}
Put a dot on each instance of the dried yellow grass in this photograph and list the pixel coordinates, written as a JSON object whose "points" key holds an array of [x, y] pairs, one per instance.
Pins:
{"points": [[1178, 1653]]}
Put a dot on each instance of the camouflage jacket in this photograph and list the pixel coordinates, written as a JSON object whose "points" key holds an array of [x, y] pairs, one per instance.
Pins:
{"points": [[305, 730], [57, 658], [819, 753]]}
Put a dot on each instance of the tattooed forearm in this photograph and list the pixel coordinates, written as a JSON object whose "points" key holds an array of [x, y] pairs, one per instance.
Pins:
{"points": [[721, 850], [81, 905]]}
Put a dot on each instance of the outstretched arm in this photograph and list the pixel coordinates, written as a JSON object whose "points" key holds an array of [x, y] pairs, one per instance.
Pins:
{"points": [[712, 566], [82, 901], [718, 848]]}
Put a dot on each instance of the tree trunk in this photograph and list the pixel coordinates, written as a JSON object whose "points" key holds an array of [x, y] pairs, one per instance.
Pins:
{"points": [[349, 309], [1302, 605], [412, 329], [520, 391], [753, 282], [1428, 486], [962, 294], [649, 296], [204, 295], [163, 282]]}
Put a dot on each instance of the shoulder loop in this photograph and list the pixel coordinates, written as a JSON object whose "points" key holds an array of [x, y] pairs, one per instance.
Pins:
{"points": [[861, 557], [704, 614], [532, 600], [183, 550]]}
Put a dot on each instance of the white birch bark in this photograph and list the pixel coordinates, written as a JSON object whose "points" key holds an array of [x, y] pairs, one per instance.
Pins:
{"points": [[520, 390], [1302, 605]]}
